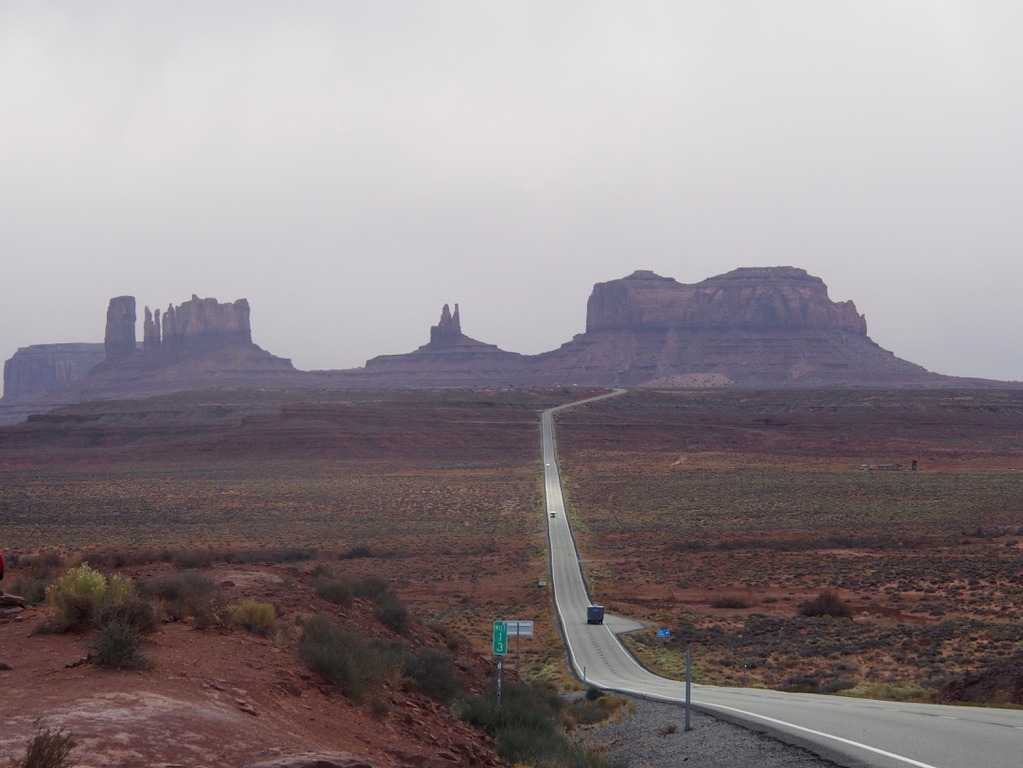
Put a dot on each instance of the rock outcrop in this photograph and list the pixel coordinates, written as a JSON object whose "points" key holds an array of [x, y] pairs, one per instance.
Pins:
{"points": [[119, 337], [41, 368], [752, 327], [450, 359], [199, 343], [194, 326], [449, 330], [767, 298], [764, 326], [998, 684], [201, 324]]}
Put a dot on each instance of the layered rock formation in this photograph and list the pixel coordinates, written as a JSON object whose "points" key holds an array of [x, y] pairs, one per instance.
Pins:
{"points": [[449, 330], [41, 368], [195, 325], [450, 359], [752, 327], [119, 337], [203, 324], [765, 326], [199, 343], [772, 298]]}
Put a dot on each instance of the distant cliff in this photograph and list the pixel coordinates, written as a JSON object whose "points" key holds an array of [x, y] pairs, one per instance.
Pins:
{"points": [[199, 343], [758, 326], [767, 298], [41, 368], [752, 327]]}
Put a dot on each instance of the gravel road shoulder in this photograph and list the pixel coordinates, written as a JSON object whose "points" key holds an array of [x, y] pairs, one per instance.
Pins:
{"points": [[652, 735]]}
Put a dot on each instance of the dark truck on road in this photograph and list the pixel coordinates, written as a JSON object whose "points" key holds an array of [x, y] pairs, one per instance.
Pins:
{"points": [[595, 614]]}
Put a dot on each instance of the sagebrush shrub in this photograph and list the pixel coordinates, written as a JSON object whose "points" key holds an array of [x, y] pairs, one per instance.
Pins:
{"points": [[827, 603], [135, 613], [78, 596], [434, 673], [118, 645], [48, 749], [393, 614], [338, 591], [179, 586], [340, 657], [256, 616]]}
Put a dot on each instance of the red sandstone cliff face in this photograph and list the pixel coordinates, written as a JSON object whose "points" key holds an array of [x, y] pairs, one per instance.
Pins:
{"points": [[767, 298]]}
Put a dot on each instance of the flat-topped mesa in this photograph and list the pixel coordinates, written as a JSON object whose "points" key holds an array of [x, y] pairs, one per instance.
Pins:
{"points": [[35, 370], [752, 298], [448, 331]]}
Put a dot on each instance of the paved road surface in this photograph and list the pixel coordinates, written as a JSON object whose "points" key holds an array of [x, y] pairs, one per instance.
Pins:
{"points": [[850, 731]]}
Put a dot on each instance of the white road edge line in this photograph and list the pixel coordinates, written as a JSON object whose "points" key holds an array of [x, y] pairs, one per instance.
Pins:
{"points": [[753, 715], [849, 742]]}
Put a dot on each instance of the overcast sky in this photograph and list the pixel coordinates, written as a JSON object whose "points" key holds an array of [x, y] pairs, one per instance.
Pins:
{"points": [[350, 167]]}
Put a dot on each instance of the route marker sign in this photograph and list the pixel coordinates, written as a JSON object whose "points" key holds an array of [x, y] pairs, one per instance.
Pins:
{"points": [[500, 638], [517, 628]]}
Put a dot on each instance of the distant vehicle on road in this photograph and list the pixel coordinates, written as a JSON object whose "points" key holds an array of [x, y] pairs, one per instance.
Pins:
{"points": [[552, 513], [595, 614]]}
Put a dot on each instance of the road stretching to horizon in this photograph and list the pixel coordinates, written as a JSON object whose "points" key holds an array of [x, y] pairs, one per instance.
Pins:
{"points": [[849, 731]]}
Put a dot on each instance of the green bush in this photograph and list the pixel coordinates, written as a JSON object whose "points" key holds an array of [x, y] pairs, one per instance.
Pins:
{"points": [[179, 586], [78, 596], [526, 727], [393, 613], [31, 588], [729, 601], [827, 603], [371, 586], [208, 611], [191, 559], [118, 645], [338, 591], [255, 616], [590, 711], [48, 749], [135, 613], [434, 673], [340, 657]]}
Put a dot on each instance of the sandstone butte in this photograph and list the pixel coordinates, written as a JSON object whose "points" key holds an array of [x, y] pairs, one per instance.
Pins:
{"points": [[752, 327]]}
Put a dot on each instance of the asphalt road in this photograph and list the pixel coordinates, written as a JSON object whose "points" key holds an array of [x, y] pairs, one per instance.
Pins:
{"points": [[852, 732]]}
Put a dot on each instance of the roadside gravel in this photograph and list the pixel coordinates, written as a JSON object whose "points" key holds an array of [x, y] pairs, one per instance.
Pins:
{"points": [[652, 735]]}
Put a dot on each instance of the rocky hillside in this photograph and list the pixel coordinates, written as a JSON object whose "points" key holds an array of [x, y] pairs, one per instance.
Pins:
{"points": [[215, 693]]}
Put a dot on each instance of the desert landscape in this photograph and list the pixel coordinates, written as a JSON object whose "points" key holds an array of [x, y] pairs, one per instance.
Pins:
{"points": [[743, 521]]}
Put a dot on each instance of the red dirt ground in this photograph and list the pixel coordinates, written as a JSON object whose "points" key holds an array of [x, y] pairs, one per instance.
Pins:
{"points": [[224, 698]]}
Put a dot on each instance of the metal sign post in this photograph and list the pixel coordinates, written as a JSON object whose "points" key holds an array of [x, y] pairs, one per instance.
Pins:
{"points": [[519, 628], [689, 682], [500, 649]]}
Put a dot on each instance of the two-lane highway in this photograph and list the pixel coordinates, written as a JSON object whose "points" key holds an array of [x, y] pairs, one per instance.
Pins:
{"points": [[852, 732]]}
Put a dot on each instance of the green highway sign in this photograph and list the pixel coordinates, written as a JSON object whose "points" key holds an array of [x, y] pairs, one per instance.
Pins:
{"points": [[500, 638]]}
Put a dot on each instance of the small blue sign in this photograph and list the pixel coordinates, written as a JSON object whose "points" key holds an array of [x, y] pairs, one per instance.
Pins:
{"points": [[664, 633]]}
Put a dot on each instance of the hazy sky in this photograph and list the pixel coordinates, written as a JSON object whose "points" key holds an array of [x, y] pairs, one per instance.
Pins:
{"points": [[349, 167]]}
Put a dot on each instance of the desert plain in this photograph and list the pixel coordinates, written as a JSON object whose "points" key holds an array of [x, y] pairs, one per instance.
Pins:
{"points": [[720, 515]]}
